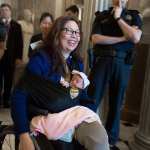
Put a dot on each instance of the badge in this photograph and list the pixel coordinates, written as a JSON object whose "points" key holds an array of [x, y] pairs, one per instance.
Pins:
{"points": [[74, 92]]}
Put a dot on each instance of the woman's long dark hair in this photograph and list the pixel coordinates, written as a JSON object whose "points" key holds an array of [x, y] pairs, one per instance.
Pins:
{"points": [[53, 46]]}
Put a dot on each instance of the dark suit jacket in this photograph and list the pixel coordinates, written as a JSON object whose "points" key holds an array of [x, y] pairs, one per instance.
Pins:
{"points": [[34, 38], [14, 47]]}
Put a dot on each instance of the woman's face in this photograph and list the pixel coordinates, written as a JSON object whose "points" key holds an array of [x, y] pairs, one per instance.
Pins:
{"points": [[45, 25], [70, 36]]}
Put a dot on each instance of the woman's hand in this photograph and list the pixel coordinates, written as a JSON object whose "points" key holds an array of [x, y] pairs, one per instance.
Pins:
{"points": [[18, 62], [2, 49], [26, 142], [64, 83]]}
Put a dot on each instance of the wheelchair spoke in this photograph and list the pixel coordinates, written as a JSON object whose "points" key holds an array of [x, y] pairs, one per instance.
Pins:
{"points": [[9, 142]]}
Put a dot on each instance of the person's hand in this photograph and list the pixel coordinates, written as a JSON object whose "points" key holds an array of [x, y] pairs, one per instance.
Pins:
{"points": [[118, 10], [26, 142], [18, 62], [2, 49], [77, 81], [64, 83], [1, 53]]}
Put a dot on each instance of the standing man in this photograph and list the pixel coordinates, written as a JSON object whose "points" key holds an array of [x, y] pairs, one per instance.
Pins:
{"points": [[114, 35], [12, 55], [3, 33]]}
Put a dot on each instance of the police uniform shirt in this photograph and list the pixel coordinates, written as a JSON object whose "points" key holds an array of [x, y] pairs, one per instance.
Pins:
{"points": [[105, 24]]}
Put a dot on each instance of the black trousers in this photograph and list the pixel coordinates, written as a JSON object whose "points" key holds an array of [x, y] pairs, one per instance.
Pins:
{"points": [[46, 144], [6, 78]]}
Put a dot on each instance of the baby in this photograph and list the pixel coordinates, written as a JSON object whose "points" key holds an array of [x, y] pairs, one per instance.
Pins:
{"points": [[78, 81]]}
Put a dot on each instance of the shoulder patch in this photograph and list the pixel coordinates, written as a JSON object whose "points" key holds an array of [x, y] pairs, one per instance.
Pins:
{"points": [[136, 12], [102, 15]]}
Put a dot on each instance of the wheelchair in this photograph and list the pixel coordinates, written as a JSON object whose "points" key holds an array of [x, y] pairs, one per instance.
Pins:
{"points": [[40, 141], [7, 138]]}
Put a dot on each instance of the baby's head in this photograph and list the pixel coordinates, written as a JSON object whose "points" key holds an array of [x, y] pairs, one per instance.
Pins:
{"points": [[79, 80]]}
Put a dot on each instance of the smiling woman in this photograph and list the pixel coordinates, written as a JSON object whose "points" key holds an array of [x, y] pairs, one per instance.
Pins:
{"points": [[48, 85]]}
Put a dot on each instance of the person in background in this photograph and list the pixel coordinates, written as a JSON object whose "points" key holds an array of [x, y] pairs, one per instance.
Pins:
{"points": [[12, 54], [3, 35], [56, 63], [72, 10], [114, 35], [46, 22], [27, 30]]}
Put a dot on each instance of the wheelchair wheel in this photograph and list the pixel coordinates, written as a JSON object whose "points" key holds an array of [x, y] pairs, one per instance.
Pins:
{"points": [[8, 141], [7, 138]]}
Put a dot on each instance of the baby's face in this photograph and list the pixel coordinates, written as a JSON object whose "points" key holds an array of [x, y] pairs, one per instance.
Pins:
{"points": [[77, 81]]}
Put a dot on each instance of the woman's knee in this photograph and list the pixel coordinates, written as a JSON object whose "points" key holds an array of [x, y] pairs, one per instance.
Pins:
{"points": [[93, 136]]}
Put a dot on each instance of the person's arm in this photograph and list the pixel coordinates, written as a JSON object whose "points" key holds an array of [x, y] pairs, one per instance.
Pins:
{"points": [[25, 142], [102, 39], [132, 33], [97, 36], [20, 97], [20, 118], [19, 111], [40, 64], [19, 44]]}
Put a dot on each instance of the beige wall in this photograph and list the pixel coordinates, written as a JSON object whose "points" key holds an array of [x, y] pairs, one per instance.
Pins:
{"points": [[134, 4]]}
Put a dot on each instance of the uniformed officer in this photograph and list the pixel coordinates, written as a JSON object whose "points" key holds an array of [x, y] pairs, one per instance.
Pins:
{"points": [[114, 35]]}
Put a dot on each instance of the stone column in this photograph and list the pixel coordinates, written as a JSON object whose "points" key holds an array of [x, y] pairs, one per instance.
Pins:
{"points": [[68, 3], [142, 136], [59, 8], [88, 16]]}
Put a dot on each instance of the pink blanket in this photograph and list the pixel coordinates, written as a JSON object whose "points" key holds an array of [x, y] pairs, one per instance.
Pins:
{"points": [[54, 126]]}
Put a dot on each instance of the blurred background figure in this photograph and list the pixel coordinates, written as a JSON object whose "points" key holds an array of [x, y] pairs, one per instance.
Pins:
{"points": [[73, 10], [12, 54], [26, 23], [3, 34], [46, 22]]}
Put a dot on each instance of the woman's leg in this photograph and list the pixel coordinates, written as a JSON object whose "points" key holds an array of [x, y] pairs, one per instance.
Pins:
{"points": [[92, 135]]}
